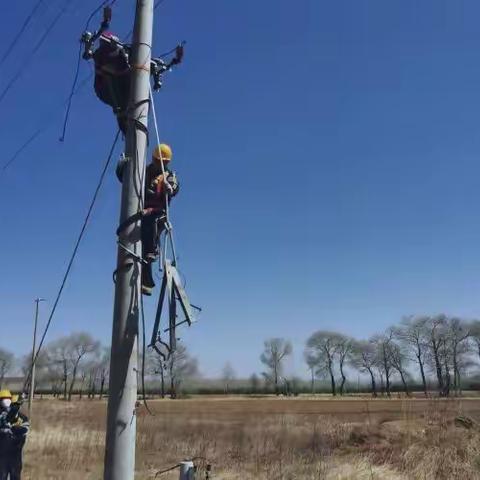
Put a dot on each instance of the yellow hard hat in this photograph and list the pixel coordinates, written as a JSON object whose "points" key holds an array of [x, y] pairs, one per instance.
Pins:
{"points": [[162, 152], [14, 398], [5, 394]]}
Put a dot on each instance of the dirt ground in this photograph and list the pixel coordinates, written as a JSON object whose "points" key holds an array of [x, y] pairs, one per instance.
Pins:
{"points": [[266, 438]]}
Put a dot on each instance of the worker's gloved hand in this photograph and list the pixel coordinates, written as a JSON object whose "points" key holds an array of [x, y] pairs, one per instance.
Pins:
{"points": [[157, 180], [6, 429], [168, 187], [172, 184]]}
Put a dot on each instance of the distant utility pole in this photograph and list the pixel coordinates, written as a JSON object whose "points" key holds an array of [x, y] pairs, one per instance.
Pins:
{"points": [[121, 416], [32, 362]]}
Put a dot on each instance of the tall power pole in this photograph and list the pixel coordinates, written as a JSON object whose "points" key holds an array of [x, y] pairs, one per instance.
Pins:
{"points": [[121, 419], [32, 363]]}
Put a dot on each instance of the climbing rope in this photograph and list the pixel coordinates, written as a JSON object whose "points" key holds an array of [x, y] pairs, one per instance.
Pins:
{"points": [[168, 225]]}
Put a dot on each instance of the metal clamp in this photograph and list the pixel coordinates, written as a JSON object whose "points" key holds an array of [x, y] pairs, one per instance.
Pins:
{"points": [[88, 38], [131, 253]]}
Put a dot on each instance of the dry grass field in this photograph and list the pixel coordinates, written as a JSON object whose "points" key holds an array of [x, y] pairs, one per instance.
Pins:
{"points": [[267, 438]]}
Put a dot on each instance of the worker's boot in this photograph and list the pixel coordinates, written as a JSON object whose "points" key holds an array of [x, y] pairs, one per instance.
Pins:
{"points": [[147, 291], [151, 257], [147, 279]]}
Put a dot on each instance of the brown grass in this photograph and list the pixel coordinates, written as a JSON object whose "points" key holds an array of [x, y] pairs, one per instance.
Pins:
{"points": [[266, 439]]}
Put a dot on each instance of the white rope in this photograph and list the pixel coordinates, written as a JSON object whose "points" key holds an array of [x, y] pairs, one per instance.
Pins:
{"points": [[168, 225]]}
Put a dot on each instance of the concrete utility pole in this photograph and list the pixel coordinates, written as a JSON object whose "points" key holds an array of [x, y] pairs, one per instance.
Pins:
{"points": [[32, 362], [121, 419]]}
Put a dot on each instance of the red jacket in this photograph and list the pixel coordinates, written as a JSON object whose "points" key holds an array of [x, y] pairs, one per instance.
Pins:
{"points": [[155, 189]]}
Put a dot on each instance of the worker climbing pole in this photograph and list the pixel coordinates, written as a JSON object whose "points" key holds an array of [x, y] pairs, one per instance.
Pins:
{"points": [[122, 81]]}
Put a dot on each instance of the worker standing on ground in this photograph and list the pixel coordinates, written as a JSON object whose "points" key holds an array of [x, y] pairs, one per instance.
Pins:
{"points": [[112, 76], [14, 427], [161, 185]]}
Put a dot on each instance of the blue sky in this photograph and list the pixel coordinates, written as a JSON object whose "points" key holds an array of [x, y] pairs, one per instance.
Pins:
{"points": [[328, 154]]}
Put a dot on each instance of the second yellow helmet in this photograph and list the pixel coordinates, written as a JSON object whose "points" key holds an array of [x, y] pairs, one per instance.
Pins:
{"points": [[162, 152], [5, 394]]}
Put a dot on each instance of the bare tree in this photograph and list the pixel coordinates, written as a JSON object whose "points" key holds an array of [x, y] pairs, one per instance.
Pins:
{"points": [[103, 370], [274, 353], [311, 362], [384, 357], [364, 357], [180, 367], [344, 346], [448, 350], [91, 372], [474, 328], [413, 334], [254, 383], [41, 370], [6, 364], [58, 364], [435, 340], [79, 345], [399, 361], [458, 334], [321, 349], [51, 371], [155, 366], [228, 375]]}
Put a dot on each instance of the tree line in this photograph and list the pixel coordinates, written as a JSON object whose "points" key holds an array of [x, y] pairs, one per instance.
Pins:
{"points": [[431, 353], [436, 352], [80, 364]]}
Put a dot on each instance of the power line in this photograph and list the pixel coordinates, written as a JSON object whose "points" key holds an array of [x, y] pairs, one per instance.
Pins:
{"points": [[35, 49], [45, 125], [24, 26], [72, 258], [72, 93]]}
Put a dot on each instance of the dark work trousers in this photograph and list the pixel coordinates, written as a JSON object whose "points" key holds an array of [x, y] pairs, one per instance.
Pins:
{"points": [[152, 228], [11, 465], [115, 91]]}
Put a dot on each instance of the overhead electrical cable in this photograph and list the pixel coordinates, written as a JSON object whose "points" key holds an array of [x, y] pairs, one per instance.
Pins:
{"points": [[45, 125], [72, 258], [72, 93], [35, 49], [22, 29]]}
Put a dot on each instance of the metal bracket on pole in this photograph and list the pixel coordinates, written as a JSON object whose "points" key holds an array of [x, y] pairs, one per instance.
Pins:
{"points": [[88, 39], [173, 290]]}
